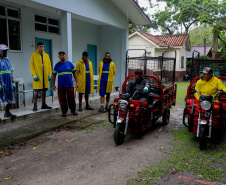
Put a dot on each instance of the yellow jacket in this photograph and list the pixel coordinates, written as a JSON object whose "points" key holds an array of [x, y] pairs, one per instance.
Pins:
{"points": [[81, 73], [209, 88], [36, 69], [112, 71]]}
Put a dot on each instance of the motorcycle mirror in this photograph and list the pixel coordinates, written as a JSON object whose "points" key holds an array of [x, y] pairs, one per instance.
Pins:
{"points": [[117, 88], [192, 90]]}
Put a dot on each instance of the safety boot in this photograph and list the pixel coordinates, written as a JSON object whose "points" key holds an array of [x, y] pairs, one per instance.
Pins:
{"points": [[45, 106], [8, 114], [88, 107], [80, 108]]}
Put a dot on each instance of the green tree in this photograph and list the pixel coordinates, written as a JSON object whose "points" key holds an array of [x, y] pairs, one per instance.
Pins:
{"points": [[198, 34], [189, 12]]}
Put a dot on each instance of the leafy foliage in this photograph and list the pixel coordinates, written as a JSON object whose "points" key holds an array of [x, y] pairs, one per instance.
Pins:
{"points": [[223, 57], [197, 36], [188, 13]]}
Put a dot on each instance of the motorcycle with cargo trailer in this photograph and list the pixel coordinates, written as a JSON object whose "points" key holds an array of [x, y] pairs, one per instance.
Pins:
{"points": [[128, 113], [206, 115]]}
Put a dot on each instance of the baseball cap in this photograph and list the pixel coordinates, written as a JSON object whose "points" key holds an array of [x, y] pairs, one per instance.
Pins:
{"points": [[138, 71], [61, 52], [207, 70], [3, 47]]}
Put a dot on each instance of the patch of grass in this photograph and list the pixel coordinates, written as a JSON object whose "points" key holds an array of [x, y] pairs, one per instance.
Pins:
{"points": [[181, 92], [186, 156], [182, 84]]}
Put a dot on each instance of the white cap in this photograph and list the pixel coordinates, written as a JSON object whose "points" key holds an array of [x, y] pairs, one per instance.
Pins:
{"points": [[3, 47]]}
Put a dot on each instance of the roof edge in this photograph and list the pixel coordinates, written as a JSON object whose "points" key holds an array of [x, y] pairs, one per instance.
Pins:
{"points": [[141, 11], [145, 38]]}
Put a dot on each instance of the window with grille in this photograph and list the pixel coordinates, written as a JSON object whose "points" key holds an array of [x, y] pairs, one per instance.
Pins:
{"points": [[10, 29], [182, 62], [47, 24]]}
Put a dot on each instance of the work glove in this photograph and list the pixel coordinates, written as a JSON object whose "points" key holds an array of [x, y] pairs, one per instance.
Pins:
{"points": [[145, 90], [50, 77], [35, 78], [1, 89]]}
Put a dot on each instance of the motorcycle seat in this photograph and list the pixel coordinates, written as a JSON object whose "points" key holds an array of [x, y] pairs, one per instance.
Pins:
{"points": [[125, 96]]}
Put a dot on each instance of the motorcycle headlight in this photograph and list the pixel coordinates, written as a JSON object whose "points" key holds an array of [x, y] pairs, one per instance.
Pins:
{"points": [[122, 104], [205, 105]]}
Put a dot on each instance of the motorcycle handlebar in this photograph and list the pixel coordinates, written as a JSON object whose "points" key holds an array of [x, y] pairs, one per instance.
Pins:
{"points": [[218, 92]]}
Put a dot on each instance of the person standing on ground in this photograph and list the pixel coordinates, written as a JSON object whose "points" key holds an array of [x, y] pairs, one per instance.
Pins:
{"points": [[84, 69], [6, 82], [66, 92], [106, 72], [41, 73]]}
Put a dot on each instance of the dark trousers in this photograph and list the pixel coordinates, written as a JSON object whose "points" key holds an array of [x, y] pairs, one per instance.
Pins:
{"points": [[66, 97]]}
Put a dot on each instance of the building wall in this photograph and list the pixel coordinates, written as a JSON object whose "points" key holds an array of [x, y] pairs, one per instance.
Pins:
{"points": [[137, 42], [21, 59], [115, 41], [107, 38], [82, 34], [99, 10]]}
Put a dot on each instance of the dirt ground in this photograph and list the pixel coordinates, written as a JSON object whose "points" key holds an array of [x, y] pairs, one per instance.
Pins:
{"points": [[88, 156]]}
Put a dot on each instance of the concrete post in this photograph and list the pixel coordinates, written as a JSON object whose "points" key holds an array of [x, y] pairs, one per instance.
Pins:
{"points": [[66, 34]]}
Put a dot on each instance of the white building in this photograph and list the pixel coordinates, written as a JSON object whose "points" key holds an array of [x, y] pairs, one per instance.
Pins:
{"points": [[71, 25]]}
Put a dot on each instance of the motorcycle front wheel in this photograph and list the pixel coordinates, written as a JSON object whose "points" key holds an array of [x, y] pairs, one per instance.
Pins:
{"points": [[119, 136], [202, 138]]}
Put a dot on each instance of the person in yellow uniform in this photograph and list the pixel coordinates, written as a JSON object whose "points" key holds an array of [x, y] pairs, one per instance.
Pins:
{"points": [[84, 71], [208, 84], [41, 72], [106, 72]]}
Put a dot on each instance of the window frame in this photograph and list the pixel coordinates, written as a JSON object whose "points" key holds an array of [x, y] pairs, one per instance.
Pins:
{"points": [[47, 24], [6, 17], [182, 60]]}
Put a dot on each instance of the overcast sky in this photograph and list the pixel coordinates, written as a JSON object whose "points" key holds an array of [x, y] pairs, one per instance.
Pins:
{"points": [[145, 3]]}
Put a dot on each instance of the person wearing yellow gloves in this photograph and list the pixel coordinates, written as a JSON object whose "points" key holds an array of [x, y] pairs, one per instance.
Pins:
{"points": [[84, 71], [208, 84], [41, 72], [106, 72]]}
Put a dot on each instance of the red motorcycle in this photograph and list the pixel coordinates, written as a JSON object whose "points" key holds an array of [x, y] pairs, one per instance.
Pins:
{"points": [[139, 115], [204, 115]]}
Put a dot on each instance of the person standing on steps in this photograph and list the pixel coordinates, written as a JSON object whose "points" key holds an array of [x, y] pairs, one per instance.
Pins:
{"points": [[84, 69], [66, 91], [6, 82], [41, 73], [106, 72]]}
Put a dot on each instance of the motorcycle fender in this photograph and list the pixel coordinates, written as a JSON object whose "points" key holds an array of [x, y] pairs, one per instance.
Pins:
{"points": [[119, 121]]}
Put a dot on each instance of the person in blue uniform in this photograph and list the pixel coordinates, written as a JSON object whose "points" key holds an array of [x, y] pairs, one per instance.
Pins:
{"points": [[66, 91], [106, 72], [6, 82]]}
